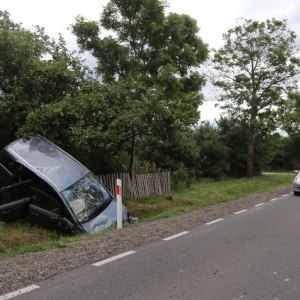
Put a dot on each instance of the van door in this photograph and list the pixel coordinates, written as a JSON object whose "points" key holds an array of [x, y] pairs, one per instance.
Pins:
{"points": [[6, 177], [14, 201], [45, 209]]}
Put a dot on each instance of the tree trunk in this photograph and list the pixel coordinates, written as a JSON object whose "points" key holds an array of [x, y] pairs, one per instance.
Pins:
{"points": [[250, 153]]}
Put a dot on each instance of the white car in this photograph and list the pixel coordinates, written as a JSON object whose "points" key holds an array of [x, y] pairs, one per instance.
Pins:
{"points": [[296, 183]]}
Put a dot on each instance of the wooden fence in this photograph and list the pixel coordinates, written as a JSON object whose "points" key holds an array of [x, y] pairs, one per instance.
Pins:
{"points": [[150, 184]]}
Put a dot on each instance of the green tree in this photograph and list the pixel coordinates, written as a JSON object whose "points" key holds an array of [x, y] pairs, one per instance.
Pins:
{"points": [[291, 122], [213, 153], [152, 58], [282, 152], [255, 68], [34, 71], [170, 150], [84, 125], [234, 137]]}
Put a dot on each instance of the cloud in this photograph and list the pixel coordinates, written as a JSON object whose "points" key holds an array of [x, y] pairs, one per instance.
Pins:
{"points": [[208, 111]]}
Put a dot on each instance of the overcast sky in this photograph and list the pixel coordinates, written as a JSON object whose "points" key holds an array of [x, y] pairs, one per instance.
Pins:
{"points": [[214, 17]]}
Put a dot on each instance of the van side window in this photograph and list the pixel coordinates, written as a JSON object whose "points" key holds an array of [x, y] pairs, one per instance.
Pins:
{"points": [[45, 201]]}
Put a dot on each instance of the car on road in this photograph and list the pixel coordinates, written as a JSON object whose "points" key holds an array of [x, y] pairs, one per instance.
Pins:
{"points": [[40, 181], [296, 183]]}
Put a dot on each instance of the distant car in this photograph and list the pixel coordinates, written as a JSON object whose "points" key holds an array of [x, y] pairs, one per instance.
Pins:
{"points": [[296, 183], [40, 181]]}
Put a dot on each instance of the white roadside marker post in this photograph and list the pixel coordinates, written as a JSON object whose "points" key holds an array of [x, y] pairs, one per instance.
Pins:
{"points": [[119, 203]]}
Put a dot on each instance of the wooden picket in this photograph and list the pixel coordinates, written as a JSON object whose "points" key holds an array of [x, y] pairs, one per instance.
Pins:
{"points": [[145, 185]]}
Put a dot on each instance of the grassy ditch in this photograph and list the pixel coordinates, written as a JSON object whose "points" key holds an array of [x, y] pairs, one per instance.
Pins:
{"points": [[24, 237]]}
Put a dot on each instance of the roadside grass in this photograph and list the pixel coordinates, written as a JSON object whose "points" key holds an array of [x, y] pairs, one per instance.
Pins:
{"points": [[204, 193], [23, 236]]}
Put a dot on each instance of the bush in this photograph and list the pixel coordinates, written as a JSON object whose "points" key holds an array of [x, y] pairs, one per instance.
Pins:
{"points": [[180, 178], [169, 197]]}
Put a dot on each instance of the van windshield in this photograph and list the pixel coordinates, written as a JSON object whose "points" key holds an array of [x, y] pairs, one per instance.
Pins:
{"points": [[86, 197]]}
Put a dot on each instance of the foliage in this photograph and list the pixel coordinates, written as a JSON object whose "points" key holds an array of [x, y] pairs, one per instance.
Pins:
{"points": [[149, 94], [83, 125], [291, 122], [233, 135], [292, 113], [34, 71], [255, 70], [282, 152], [180, 178], [151, 58], [168, 149], [212, 162]]}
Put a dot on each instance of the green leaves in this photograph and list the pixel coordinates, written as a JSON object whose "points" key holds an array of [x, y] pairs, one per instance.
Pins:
{"points": [[257, 64], [255, 68], [34, 71], [149, 58]]}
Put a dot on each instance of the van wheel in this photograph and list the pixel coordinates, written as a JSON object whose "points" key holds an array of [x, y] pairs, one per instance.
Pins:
{"points": [[296, 193]]}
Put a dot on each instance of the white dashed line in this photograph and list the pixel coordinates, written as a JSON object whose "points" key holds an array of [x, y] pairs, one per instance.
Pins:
{"points": [[19, 292], [105, 261], [239, 212], [260, 204], [273, 199], [175, 236], [215, 221]]}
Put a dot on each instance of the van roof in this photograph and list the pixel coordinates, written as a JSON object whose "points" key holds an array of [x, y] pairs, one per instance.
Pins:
{"points": [[47, 161]]}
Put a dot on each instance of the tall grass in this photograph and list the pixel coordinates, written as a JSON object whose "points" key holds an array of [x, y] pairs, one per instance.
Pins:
{"points": [[22, 237]]}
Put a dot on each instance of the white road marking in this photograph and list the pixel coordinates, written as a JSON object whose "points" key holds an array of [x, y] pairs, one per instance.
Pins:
{"points": [[175, 236], [239, 212], [215, 221], [19, 292], [105, 261], [260, 204], [273, 199]]}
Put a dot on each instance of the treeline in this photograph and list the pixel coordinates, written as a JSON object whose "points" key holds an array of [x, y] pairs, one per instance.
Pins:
{"points": [[138, 109]]}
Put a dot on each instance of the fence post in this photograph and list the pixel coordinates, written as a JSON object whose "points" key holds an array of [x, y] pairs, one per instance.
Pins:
{"points": [[119, 203]]}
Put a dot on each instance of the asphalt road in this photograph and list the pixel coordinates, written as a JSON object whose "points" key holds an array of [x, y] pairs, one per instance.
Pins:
{"points": [[252, 254]]}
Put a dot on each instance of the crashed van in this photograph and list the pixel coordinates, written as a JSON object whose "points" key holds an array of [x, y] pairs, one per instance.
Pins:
{"points": [[40, 181]]}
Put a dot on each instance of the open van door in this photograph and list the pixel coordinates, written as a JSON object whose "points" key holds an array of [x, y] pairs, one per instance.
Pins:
{"points": [[46, 210], [14, 201]]}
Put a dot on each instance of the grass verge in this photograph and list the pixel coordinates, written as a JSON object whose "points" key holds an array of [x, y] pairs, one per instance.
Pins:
{"points": [[22, 237]]}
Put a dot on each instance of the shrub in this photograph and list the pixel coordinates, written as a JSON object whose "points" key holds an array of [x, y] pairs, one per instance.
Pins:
{"points": [[180, 178], [169, 197]]}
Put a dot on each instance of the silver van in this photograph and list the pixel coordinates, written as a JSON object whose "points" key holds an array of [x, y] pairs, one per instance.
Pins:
{"points": [[40, 181]]}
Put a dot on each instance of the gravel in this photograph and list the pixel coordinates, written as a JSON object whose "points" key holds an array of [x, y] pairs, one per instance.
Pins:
{"points": [[29, 268]]}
